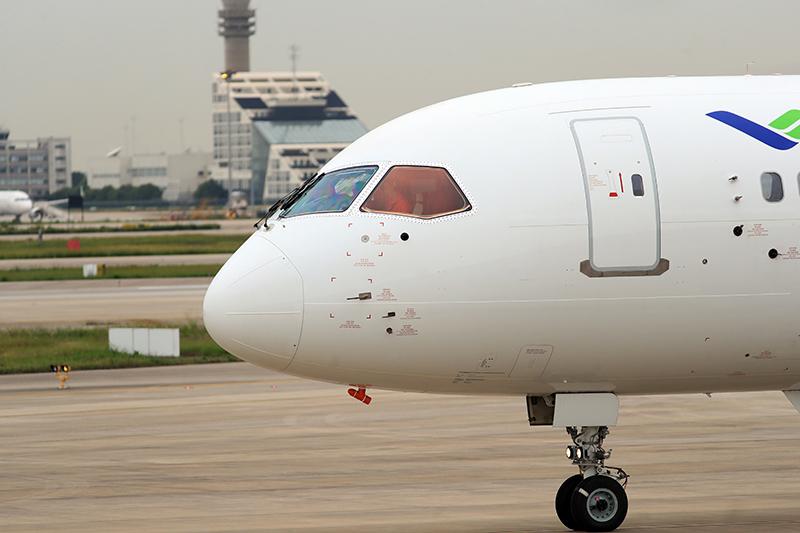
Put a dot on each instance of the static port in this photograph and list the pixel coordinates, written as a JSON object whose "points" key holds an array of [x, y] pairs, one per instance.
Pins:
{"points": [[389, 331], [738, 230], [773, 253], [404, 236]]}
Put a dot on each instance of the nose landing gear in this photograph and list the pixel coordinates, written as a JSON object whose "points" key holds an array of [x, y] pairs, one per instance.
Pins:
{"points": [[595, 499]]}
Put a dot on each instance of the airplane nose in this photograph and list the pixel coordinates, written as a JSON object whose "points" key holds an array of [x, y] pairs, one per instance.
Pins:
{"points": [[254, 305]]}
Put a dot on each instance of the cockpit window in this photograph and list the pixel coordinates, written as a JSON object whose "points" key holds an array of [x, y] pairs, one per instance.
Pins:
{"points": [[421, 192], [331, 193]]}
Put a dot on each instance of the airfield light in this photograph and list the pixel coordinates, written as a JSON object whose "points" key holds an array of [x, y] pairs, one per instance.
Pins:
{"points": [[62, 374]]}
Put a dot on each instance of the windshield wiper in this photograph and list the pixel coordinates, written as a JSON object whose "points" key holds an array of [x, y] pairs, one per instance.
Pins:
{"points": [[271, 211], [298, 192], [287, 200]]}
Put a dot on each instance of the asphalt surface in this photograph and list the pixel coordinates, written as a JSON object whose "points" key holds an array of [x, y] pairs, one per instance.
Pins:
{"points": [[235, 448], [100, 301], [227, 227], [55, 262], [139, 215]]}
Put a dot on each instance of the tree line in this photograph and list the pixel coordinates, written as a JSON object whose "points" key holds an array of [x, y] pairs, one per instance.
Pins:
{"points": [[208, 190], [125, 193]]}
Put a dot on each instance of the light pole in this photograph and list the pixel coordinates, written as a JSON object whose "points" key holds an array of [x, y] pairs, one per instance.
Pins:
{"points": [[226, 76]]}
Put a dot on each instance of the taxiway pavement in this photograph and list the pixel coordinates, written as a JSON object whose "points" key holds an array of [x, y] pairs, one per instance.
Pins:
{"points": [[232, 447], [100, 301], [63, 262], [241, 227]]}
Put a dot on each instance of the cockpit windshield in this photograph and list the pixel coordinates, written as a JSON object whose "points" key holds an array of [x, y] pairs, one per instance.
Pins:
{"points": [[331, 193]]}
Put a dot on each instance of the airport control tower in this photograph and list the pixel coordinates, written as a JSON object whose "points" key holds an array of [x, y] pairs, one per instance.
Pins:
{"points": [[237, 23], [272, 130]]}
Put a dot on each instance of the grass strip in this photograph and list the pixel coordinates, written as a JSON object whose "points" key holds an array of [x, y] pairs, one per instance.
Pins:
{"points": [[12, 229], [113, 246], [34, 350], [111, 272]]}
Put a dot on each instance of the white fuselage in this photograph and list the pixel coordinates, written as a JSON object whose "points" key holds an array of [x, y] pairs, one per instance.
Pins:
{"points": [[559, 278], [15, 203]]}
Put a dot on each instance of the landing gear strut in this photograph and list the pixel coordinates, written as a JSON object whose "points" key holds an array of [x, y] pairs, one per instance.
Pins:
{"points": [[595, 499]]}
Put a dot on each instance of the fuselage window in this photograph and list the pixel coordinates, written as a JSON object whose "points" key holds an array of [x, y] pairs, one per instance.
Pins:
{"points": [[332, 192], [421, 192], [772, 186], [638, 185]]}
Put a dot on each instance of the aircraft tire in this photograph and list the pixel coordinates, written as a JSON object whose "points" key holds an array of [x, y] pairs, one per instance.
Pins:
{"points": [[564, 501], [599, 503]]}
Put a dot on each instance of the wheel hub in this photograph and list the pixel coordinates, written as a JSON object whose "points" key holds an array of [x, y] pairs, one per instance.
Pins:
{"points": [[602, 505]]}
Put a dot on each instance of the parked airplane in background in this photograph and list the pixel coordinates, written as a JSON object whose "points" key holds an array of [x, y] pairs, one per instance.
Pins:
{"points": [[18, 203], [566, 242], [15, 203]]}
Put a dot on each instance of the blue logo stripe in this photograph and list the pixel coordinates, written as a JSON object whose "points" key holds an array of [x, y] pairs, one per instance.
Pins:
{"points": [[756, 131]]}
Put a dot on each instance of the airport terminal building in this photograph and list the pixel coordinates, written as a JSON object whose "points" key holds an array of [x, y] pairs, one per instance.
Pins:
{"points": [[271, 130], [276, 129], [38, 167]]}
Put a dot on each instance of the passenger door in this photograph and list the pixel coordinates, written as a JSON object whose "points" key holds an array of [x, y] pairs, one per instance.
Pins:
{"points": [[621, 197]]}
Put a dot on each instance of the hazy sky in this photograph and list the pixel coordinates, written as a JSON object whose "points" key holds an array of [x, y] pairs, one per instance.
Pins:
{"points": [[85, 68]]}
